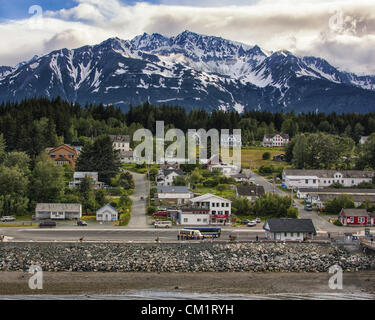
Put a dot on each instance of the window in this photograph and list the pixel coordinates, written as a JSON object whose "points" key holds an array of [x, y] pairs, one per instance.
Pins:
{"points": [[342, 181], [298, 234], [213, 204], [185, 219], [286, 234], [204, 220], [198, 220], [314, 181], [227, 204], [306, 181], [223, 204]]}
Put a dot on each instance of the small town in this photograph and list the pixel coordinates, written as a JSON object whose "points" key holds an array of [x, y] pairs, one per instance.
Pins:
{"points": [[176, 151]]}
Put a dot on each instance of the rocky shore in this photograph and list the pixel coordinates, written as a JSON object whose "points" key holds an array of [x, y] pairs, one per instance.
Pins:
{"points": [[180, 257]]}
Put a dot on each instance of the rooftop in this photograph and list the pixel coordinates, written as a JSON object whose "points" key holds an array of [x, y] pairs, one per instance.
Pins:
{"points": [[247, 191], [329, 173], [172, 189], [355, 212], [58, 207], [290, 225]]}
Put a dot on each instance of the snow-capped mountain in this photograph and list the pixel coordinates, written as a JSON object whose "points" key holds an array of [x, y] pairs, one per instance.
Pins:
{"points": [[190, 70]]}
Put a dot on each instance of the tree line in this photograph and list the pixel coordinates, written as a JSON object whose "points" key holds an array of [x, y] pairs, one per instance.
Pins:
{"points": [[34, 124]]}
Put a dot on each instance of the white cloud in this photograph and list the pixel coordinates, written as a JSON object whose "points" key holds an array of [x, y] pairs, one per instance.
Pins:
{"points": [[300, 26]]}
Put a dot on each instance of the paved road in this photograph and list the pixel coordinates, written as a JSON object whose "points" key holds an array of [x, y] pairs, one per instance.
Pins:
{"points": [[138, 216], [125, 234]]}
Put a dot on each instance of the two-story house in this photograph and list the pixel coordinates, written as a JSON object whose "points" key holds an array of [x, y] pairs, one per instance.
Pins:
{"points": [[166, 177], [275, 140], [64, 154], [206, 209]]}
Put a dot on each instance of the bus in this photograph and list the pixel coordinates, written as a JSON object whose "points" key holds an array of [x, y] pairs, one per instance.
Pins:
{"points": [[207, 232], [189, 235]]}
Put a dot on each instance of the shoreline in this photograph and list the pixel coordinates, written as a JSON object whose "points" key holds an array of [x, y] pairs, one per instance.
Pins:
{"points": [[13, 283]]}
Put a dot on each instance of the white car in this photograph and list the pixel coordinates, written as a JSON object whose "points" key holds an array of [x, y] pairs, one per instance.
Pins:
{"points": [[258, 220], [7, 219], [163, 224], [252, 224]]}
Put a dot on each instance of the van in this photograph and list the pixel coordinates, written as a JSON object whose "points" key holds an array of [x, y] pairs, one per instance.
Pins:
{"points": [[189, 235], [163, 224], [47, 224], [7, 219]]}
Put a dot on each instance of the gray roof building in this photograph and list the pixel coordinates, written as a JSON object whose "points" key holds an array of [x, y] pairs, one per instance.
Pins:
{"points": [[120, 138], [250, 191], [290, 225], [172, 189]]}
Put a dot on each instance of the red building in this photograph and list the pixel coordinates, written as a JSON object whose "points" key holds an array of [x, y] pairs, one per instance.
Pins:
{"points": [[356, 217]]}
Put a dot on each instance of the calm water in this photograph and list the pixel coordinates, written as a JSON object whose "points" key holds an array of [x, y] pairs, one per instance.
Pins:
{"points": [[165, 295]]}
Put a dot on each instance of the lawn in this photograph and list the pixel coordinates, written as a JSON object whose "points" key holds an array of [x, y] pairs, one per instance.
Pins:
{"points": [[227, 193], [254, 155]]}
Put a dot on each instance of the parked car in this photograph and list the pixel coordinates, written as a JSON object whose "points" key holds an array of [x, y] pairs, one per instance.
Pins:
{"points": [[308, 207], [258, 220], [245, 221], [47, 224], [294, 205], [7, 219], [163, 224], [252, 224], [81, 223]]}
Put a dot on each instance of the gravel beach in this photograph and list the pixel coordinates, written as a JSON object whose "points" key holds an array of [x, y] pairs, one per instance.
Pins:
{"points": [[243, 268], [181, 257]]}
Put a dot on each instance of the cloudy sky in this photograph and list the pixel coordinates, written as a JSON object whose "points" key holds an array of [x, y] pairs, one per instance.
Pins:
{"points": [[341, 31]]}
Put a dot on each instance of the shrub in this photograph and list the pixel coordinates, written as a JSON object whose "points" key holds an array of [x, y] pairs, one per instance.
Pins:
{"points": [[337, 223], [266, 156], [292, 213], [222, 187], [266, 169], [151, 210]]}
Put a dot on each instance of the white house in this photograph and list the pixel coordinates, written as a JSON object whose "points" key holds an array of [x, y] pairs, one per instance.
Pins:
{"points": [[166, 177], [298, 178], [107, 213], [289, 229], [226, 169], [78, 176], [121, 142], [209, 208], [59, 211], [275, 140], [172, 195]]}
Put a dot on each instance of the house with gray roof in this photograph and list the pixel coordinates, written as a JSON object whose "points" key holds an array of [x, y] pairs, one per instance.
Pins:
{"points": [[250, 192], [59, 211], [289, 229], [166, 177], [176, 195]]}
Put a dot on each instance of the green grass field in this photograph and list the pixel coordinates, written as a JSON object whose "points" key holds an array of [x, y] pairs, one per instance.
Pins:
{"points": [[254, 156]]}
